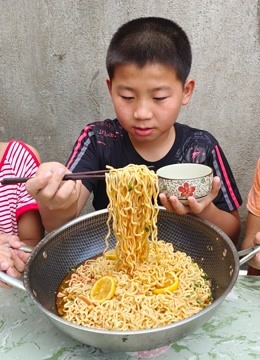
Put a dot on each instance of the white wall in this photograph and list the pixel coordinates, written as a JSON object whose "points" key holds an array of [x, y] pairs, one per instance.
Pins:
{"points": [[52, 71]]}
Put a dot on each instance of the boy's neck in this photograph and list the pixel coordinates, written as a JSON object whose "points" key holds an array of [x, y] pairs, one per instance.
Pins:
{"points": [[157, 149]]}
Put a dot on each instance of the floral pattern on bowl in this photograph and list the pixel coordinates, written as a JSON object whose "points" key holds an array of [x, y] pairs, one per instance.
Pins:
{"points": [[197, 187], [186, 190]]}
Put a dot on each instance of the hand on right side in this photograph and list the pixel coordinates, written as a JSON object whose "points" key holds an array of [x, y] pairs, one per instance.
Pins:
{"points": [[255, 261]]}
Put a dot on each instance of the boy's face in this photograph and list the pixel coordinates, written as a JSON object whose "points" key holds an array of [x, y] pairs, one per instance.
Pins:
{"points": [[147, 101]]}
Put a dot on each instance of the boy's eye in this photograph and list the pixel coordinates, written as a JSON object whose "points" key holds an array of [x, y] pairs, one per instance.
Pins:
{"points": [[160, 98], [127, 97]]}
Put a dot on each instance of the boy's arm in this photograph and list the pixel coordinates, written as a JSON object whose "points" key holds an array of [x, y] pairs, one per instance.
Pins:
{"points": [[53, 217], [59, 201], [252, 237], [229, 222]]}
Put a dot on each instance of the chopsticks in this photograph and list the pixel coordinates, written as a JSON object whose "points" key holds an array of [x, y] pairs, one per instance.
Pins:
{"points": [[96, 175]]}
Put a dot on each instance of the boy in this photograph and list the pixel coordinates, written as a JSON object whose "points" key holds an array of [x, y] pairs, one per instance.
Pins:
{"points": [[148, 63]]}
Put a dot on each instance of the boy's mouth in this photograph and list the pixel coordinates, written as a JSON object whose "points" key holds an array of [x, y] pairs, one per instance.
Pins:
{"points": [[143, 131]]}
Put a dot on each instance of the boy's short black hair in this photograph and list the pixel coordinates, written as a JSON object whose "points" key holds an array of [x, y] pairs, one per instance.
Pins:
{"points": [[150, 40]]}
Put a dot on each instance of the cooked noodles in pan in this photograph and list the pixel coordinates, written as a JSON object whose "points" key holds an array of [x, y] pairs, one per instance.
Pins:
{"points": [[142, 283]]}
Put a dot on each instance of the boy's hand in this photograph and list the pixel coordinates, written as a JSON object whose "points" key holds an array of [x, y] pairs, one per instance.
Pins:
{"points": [[174, 205], [49, 190], [255, 261], [12, 260]]}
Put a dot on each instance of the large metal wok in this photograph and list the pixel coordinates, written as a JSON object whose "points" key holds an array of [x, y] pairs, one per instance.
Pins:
{"points": [[83, 238]]}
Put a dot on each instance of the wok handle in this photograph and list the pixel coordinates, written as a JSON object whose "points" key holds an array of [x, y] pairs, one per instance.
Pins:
{"points": [[249, 252], [10, 280], [25, 248]]}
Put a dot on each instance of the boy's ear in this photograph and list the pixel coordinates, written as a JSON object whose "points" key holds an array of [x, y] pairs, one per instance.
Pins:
{"points": [[108, 81], [188, 91]]}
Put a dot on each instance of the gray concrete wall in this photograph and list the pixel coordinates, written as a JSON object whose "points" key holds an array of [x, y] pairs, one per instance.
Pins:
{"points": [[52, 71]]}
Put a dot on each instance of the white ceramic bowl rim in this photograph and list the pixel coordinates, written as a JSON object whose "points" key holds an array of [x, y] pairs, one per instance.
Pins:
{"points": [[184, 171]]}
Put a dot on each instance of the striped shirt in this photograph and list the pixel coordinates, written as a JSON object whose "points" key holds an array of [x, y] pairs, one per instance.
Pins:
{"points": [[18, 160]]}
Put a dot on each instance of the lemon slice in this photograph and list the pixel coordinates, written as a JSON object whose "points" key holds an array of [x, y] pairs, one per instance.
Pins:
{"points": [[111, 254], [103, 289], [171, 284]]}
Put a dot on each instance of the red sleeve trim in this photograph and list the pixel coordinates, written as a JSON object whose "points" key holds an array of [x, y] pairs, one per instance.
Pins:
{"points": [[26, 208]]}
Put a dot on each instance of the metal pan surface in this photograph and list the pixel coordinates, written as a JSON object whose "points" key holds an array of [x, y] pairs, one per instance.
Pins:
{"points": [[83, 238]]}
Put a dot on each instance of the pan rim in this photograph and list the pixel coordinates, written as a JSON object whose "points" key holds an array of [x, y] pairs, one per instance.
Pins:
{"points": [[203, 313]]}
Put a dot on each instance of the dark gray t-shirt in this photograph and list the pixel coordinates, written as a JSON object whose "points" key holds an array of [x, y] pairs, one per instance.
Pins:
{"points": [[105, 142]]}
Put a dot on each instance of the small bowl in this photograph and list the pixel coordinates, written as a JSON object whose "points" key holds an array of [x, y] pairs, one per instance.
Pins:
{"points": [[183, 180]]}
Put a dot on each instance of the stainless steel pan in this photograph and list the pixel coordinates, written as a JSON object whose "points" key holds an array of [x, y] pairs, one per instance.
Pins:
{"points": [[83, 238]]}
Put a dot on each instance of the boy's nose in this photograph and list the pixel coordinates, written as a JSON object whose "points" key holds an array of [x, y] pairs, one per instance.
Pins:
{"points": [[142, 111]]}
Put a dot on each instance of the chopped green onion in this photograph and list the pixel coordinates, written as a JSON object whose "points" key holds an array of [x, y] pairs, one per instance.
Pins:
{"points": [[130, 186]]}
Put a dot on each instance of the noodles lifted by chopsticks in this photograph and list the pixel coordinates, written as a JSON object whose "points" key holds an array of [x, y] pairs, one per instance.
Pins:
{"points": [[145, 284], [133, 210]]}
